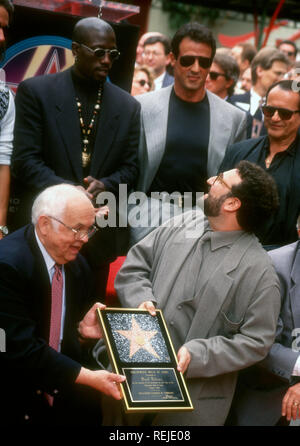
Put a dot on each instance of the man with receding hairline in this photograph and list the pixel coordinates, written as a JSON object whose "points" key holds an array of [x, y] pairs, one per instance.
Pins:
{"points": [[47, 308], [76, 127]]}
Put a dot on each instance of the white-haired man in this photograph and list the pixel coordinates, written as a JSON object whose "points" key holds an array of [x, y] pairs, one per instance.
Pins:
{"points": [[45, 292]]}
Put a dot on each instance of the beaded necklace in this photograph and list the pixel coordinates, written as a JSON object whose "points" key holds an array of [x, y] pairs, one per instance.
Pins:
{"points": [[86, 130]]}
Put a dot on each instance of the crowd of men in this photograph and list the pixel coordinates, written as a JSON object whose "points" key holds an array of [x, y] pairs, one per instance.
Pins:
{"points": [[229, 292]]}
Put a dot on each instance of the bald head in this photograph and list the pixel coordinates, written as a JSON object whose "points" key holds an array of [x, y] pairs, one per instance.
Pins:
{"points": [[92, 34], [86, 27]]}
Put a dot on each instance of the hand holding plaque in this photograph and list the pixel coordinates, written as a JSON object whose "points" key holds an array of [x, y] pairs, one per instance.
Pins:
{"points": [[140, 348]]}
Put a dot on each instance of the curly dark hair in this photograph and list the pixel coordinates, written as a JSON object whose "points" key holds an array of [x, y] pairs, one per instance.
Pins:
{"points": [[7, 4], [258, 195], [197, 32]]}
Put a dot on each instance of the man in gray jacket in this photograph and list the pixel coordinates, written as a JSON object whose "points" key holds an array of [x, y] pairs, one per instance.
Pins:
{"points": [[185, 129], [218, 291]]}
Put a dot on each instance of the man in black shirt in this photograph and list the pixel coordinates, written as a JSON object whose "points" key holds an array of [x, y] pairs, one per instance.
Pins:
{"points": [[185, 129], [75, 127], [279, 154]]}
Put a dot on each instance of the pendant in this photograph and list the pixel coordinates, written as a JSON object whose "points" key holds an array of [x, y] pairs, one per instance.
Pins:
{"points": [[86, 158]]}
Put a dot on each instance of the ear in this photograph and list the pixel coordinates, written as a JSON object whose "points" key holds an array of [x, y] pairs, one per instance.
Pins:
{"points": [[75, 48], [44, 225], [232, 204], [172, 59], [259, 71], [229, 83]]}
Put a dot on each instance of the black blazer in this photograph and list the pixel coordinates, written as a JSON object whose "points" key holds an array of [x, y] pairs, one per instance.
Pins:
{"points": [[254, 123], [285, 220], [47, 138], [30, 367]]}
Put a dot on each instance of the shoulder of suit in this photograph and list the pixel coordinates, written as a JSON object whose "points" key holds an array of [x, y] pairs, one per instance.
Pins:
{"points": [[119, 93], [283, 258], [223, 105], [154, 96]]}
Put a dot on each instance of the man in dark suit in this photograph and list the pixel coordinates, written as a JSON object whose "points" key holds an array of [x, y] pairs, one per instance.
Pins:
{"points": [[268, 66], [156, 57], [75, 127], [279, 154], [45, 291]]}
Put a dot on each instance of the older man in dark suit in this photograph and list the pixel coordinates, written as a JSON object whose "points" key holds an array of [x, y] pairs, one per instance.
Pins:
{"points": [[45, 292]]}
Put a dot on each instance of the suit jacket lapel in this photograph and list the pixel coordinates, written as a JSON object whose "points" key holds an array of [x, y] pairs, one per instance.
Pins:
{"points": [[220, 131], [106, 130], [68, 122], [295, 290], [42, 285]]}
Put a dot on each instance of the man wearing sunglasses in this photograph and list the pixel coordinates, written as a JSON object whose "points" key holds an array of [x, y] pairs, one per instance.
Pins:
{"points": [[279, 154], [47, 308], [289, 48], [223, 76], [268, 66], [185, 128], [76, 127]]}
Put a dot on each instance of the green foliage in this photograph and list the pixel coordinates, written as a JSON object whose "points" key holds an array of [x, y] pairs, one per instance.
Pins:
{"points": [[180, 13]]}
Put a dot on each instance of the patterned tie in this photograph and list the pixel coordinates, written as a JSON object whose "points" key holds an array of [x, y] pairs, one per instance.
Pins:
{"points": [[56, 307]]}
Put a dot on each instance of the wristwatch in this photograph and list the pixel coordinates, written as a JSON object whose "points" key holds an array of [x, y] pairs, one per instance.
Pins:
{"points": [[4, 230]]}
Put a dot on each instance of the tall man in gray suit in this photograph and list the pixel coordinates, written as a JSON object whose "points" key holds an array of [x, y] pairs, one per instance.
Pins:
{"points": [[218, 291], [269, 394], [185, 128]]}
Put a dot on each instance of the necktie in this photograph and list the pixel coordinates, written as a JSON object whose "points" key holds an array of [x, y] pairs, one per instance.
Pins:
{"points": [[56, 307], [55, 319]]}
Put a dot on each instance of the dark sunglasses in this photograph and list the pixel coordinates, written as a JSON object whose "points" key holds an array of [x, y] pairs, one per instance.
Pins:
{"points": [[142, 82], [100, 52], [283, 113], [290, 53], [187, 61], [214, 75]]}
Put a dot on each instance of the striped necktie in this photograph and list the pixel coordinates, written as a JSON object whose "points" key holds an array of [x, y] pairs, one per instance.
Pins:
{"points": [[56, 307]]}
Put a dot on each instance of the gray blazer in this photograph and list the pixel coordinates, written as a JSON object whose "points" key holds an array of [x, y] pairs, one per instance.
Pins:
{"points": [[233, 325], [227, 126], [259, 404]]}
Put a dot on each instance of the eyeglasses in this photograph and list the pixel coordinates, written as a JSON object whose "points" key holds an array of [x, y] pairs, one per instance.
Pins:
{"points": [[187, 61], [289, 53], [284, 113], [219, 178], [100, 52], [152, 53], [214, 75], [79, 233], [143, 82]]}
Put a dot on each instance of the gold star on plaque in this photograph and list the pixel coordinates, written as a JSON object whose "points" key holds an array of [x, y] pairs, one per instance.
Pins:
{"points": [[139, 338]]}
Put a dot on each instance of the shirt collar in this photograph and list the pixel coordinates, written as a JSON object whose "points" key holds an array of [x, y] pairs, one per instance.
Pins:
{"points": [[47, 258], [219, 239]]}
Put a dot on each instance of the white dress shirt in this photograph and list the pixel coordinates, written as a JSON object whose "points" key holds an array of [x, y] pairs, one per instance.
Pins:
{"points": [[50, 263]]}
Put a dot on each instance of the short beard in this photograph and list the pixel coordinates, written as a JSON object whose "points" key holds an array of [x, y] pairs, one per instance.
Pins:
{"points": [[212, 206]]}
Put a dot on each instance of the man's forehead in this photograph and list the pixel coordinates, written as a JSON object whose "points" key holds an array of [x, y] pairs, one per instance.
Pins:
{"points": [[286, 96], [232, 175]]}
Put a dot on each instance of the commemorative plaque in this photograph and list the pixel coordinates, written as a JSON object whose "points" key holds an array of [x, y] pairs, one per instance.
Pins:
{"points": [[140, 348]]}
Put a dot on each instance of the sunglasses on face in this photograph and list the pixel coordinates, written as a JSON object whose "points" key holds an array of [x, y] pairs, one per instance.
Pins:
{"points": [[214, 75], [187, 61], [283, 113], [100, 52], [143, 82]]}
